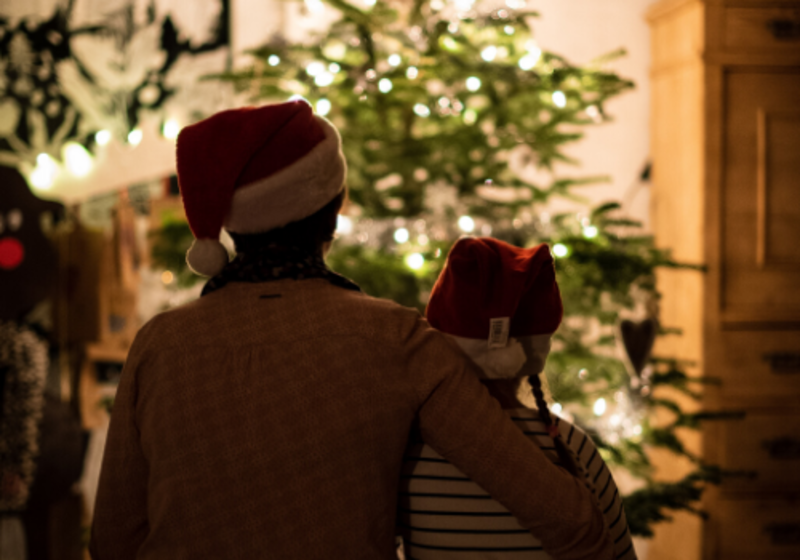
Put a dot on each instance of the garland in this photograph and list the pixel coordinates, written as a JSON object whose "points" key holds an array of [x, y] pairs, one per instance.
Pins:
{"points": [[23, 369]]}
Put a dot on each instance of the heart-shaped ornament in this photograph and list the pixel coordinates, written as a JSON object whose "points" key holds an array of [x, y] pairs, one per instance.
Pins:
{"points": [[637, 340]]}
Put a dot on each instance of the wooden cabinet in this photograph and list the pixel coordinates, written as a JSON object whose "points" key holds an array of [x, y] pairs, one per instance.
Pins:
{"points": [[726, 193]]}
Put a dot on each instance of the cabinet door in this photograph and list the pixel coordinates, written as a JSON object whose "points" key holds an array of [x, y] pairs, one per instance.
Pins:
{"points": [[761, 197]]}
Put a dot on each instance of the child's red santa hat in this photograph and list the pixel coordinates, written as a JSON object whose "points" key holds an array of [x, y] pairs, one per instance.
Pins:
{"points": [[492, 294], [252, 170]]}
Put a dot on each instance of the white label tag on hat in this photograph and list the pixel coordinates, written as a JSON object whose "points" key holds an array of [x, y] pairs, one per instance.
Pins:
{"points": [[498, 332]]}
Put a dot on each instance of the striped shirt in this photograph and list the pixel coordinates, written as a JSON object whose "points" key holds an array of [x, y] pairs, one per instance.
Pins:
{"points": [[443, 515]]}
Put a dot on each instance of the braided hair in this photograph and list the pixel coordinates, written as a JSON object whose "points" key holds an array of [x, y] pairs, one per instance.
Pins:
{"points": [[565, 456]]}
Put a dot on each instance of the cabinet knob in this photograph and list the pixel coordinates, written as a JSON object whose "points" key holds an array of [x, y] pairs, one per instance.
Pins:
{"points": [[783, 362], [784, 29], [782, 449], [783, 534]]}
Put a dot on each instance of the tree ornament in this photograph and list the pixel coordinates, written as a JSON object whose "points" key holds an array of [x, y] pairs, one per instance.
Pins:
{"points": [[637, 339]]}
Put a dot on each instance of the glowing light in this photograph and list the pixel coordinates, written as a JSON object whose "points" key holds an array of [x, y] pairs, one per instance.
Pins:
{"points": [[560, 250], [344, 225], [297, 97], [102, 137], [77, 159], [637, 429], [422, 110], [167, 277], [489, 53], [44, 174], [333, 67], [473, 83], [171, 129], [534, 54], [412, 72], [315, 6], [615, 420], [443, 102], [274, 60], [515, 4], [423, 239], [599, 407], [557, 408], [590, 232], [323, 107], [470, 116], [415, 261], [385, 85], [324, 79], [401, 235], [466, 224], [135, 136], [509, 29], [593, 113], [395, 60], [371, 74], [559, 98], [315, 68], [369, 3]]}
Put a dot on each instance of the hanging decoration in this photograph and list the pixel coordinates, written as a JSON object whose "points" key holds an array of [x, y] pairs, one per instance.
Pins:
{"points": [[91, 73]]}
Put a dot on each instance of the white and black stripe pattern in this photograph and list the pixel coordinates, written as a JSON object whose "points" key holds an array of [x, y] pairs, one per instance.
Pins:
{"points": [[443, 515]]}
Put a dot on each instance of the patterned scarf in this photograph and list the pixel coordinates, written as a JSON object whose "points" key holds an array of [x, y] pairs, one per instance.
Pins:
{"points": [[257, 261]]}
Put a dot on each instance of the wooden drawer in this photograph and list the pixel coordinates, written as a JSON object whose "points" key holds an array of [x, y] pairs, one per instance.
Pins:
{"points": [[755, 529], [770, 28], [756, 367], [768, 443]]}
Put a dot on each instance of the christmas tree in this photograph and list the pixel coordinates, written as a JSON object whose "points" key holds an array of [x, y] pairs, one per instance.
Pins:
{"points": [[452, 119]]}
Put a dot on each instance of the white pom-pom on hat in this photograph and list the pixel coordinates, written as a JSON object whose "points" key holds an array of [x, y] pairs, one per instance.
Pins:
{"points": [[207, 257]]}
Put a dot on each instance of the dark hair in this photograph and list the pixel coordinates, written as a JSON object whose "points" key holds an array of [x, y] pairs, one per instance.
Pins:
{"points": [[310, 233], [566, 457]]}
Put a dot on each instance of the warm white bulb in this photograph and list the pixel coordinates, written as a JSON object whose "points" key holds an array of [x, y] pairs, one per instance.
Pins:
{"points": [[415, 261], [323, 107], [333, 68], [385, 85], [395, 60], [324, 79], [44, 174], [473, 83], [135, 136], [274, 60], [466, 224], [557, 408], [489, 53], [559, 99], [344, 225], [77, 159], [315, 68], [171, 129], [470, 116], [599, 407], [560, 250], [401, 235], [422, 110], [412, 72], [102, 137], [590, 232], [315, 6], [509, 29]]}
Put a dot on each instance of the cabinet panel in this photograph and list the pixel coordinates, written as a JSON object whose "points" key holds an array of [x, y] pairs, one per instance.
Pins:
{"points": [[750, 529], [767, 443], [761, 198], [762, 28]]}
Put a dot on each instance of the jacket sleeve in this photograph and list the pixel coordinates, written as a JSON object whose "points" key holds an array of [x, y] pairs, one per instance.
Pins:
{"points": [[120, 523], [462, 422], [603, 487]]}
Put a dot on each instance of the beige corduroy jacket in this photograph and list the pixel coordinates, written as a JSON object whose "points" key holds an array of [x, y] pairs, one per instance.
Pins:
{"points": [[269, 421]]}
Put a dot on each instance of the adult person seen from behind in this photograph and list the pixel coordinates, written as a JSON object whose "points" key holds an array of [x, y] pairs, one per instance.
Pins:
{"points": [[501, 305], [269, 418]]}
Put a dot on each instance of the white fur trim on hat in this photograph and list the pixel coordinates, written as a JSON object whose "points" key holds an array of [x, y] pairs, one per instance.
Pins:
{"points": [[507, 362], [207, 257], [293, 193]]}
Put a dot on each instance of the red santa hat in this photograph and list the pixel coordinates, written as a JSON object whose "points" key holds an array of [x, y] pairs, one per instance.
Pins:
{"points": [[252, 170], [492, 294]]}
